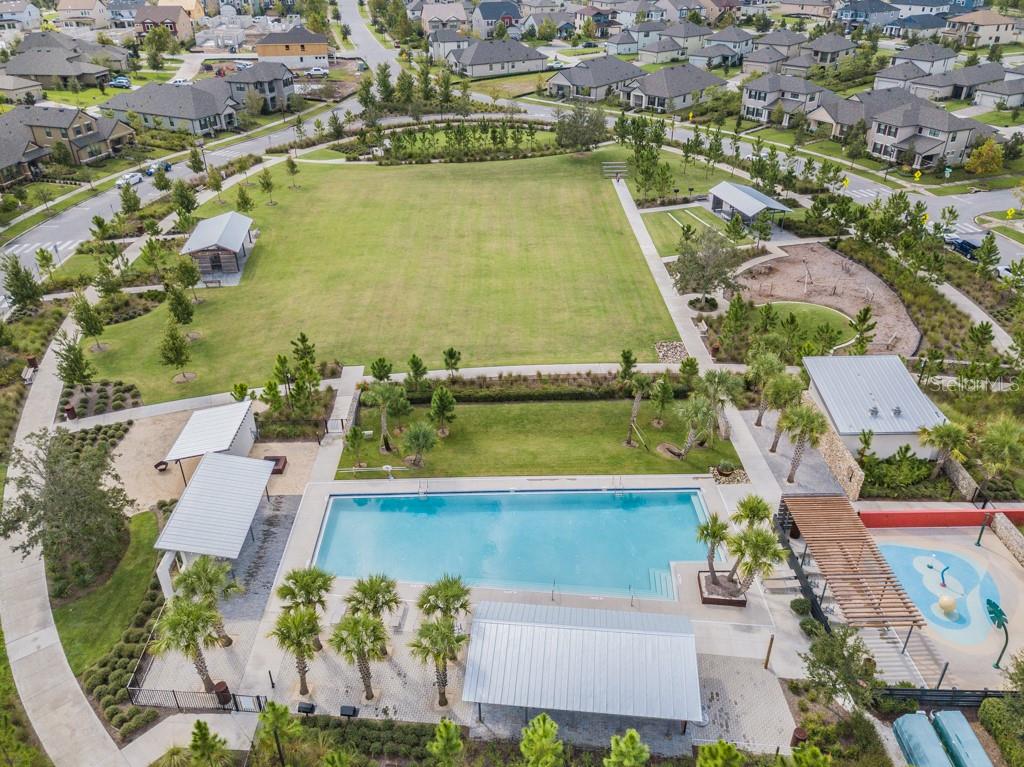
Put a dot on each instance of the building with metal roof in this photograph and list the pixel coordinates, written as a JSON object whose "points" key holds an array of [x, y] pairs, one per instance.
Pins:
{"points": [[223, 429], [876, 393], [220, 244], [214, 515], [571, 659], [730, 199]]}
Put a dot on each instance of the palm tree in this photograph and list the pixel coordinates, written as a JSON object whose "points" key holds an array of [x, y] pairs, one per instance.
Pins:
{"points": [[806, 426], [436, 641], [208, 580], [295, 632], [208, 749], [698, 416], [713, 532], [761, 552], [360, 638], [381, 395], [782, 392], [1001, 445], [761, 368], [306, 587], [419, 439], [721, 388], [948, 438], [175, 756], [639, 387], [447, 596], [375, 595], [751, 511], [187, 627]]}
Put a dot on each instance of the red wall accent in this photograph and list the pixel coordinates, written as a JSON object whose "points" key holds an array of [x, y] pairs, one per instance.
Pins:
{"points": [[966, 517]]}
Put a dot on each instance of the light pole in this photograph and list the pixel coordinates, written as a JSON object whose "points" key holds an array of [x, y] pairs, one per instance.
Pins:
{"points": [[202, 150], [981, 532]]}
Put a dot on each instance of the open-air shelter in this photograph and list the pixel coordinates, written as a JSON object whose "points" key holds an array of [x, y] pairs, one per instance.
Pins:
{"points": [[731, 199], [214, 514], [223, 429], [610, 662], [220, 244]]}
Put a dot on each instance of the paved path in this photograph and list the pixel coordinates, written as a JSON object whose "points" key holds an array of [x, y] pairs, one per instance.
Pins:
{"points": [[1002, 340], [176, 730]]}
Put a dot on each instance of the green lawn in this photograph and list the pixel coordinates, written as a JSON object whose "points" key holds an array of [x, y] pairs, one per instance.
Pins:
{"points": [[512, 86], [778, 135], [952, 105], [549, 438], [86, 97], [695, 174], [835, 149], [1013, 234], [495, 258], [811, 315], [986, 183], [91, 625], [664, 229], [1001, 119], [581, 51]]}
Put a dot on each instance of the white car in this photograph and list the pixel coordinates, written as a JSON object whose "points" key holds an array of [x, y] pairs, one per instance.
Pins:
{"points": [[179, 81], [317, 72], [129, 179], [243, 65], [750, 155]]}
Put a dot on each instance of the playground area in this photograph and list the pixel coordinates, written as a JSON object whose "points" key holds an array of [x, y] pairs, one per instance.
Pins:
{"points": [[814, 273]]}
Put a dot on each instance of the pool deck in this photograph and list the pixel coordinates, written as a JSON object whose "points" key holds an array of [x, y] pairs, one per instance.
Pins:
{"points": [[731, 643], [970, 665]]}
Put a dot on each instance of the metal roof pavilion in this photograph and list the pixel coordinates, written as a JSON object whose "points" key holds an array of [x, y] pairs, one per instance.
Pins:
{"points": [[216, 510], [592, 661], [745, 199], [209, 431], [872, 391], [227, 231]]}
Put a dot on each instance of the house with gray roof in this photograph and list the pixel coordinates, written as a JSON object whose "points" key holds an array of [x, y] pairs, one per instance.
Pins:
{"points": [[489, 13], [714, 55], [19, 15], [203, 108], [798, 66], [763, 61], [88, 138], [913, 27], [622, 44], [1007, 94], [680, 10], [908, 8], [792, 94], [270, 80], [689, 36], [563, 22], [740, 41], [56, 68], [660, 51], [595, 79], [958, 83], [866, 13], [785, 41], [634, 11], [443, 40], [114, 57], [673, 88], [490, 58], [122, 12], [647, 31], [829, 49], [930, 57], [898, 76], [220, 244], [19, 90]]}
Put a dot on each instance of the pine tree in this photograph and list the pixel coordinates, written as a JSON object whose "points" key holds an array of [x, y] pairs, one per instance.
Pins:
{"points": [[442, 409], [174, 349], [73, 368], [243, 202]]}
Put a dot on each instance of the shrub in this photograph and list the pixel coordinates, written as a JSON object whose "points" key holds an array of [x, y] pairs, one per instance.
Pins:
{"points": [[121, 696], [800, 606], [102, 691], [886, 705], [107, 702], [811, 627], [118, 719], [1006, 729]]}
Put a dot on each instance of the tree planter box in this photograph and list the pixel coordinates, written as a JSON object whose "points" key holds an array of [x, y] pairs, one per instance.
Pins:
{"points": [[713, 599]]}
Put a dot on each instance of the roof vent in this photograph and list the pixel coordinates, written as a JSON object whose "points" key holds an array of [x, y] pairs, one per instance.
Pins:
{"points": [[874, 411], [897, 412]]}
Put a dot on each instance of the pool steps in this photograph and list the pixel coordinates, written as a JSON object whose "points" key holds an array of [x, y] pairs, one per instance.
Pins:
{"points": [[662, 584]]}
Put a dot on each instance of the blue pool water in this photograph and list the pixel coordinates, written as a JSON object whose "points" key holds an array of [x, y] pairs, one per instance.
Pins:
{"points": [[920, 570], [585, 542]]}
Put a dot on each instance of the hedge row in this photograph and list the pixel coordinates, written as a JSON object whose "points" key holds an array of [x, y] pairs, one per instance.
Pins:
{"points": [[1007, 729], [534, 390]]}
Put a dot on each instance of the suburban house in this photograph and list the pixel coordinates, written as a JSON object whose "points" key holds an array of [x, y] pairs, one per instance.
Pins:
{"points": [[174, 17], [898, 76], [434, 16], [194, 8], [829, 49], [490, 12], [19, 15], [917, 26], [799, 66], [763, 61], [122, 12], [738, 40], [487, 58], [715, 9], [909, 8], [20, 156], [866, 13], [660, 51], [297, 48], [595, 79], [622, 44], [92, 14], [56, 68], [603, 20], [679, 10], [714, 55], [201, 109], [634, 11], [957, 84], [220, 244], [564, 22], [929, 57], [794, 94], [89, 138], [113, 57], [1008, 93], [818, 9], [673, 88], [689, 37], [981, 28], [784, 41], [529, 7], [271, 80], [872, 393], [442, 41], [18, 89], [648, 31]]}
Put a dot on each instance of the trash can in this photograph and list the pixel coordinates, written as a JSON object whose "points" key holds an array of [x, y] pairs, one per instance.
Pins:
{"points": [[70, 413], [799, 737], [223, 693]]}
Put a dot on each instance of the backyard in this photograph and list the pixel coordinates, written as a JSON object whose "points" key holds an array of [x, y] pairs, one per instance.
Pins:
{"points": [[547, 438], [396, 275], [510, 87]]}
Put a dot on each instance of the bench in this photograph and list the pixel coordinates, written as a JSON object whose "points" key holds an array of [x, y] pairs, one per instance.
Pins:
{"points": [[280, 463], [27, 375], [400, 623]]}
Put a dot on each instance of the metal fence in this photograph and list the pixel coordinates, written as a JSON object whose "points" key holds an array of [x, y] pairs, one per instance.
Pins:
{"points": [[190, 700], [949, 697], [783, 523]]}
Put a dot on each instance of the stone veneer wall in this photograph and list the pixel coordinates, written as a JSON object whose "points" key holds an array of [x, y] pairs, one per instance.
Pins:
{"points": [[838, 458], [1011, 537], [960, 477]]}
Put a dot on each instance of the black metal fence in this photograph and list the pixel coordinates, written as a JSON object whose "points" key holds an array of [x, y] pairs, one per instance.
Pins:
{"points": [[783, 523], [948, 697], [190, 700]]}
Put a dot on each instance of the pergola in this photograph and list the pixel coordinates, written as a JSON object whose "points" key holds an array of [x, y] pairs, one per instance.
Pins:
{"points": [[863, 584]]}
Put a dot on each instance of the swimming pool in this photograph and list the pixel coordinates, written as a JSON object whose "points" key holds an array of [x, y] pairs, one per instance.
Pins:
{"points": [[591, 542], [921, 573]]}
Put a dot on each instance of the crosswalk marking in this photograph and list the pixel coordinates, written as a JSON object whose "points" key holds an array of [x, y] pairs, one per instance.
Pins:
{"points": [[64, 247], [865, 194], [966, 228]]}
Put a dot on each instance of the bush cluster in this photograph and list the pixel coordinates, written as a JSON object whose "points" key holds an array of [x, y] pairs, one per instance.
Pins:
{"points": [[105, 437], [121, 307], [1007, 729], [377, 738], [108, 679], [904, 476], [850, 742], [800, 605]]}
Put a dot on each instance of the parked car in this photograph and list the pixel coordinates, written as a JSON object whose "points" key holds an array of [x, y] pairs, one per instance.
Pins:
{"points": [[129, 179], [317, 72], [962, 246], [153, 167], [750, 155], [120, 82], [243, 65], [179, 81], [589, 44]]}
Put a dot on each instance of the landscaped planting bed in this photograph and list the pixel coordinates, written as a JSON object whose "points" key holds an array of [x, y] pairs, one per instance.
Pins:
{"points": [[99, 397], [988, 292], [106, 437], [121, 307]]}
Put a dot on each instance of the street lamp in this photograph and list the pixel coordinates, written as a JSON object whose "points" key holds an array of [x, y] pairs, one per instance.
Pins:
{"points": [[202, 149]]}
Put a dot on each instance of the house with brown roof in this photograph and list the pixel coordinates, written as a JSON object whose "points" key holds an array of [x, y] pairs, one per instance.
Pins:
{"points": [[298, 48], [819, 9], [173, 17], [91, 14], [982, 28]]}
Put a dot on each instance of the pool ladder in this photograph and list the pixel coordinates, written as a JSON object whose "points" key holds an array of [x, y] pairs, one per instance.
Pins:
{"points": [[421, 489]]}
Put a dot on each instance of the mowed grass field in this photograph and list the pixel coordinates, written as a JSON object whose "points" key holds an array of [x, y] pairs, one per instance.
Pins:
{"points": [[525, 261]]}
